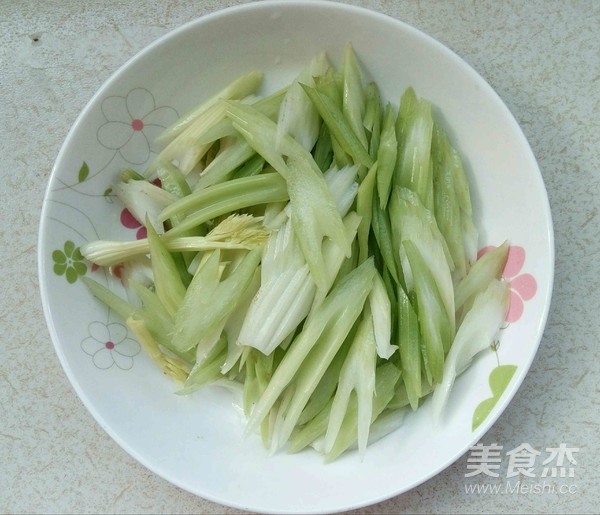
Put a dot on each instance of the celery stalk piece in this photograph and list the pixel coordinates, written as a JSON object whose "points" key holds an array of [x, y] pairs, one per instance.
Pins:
{"points": [[437, 329], [171, 366], [167, 280], [202, 314], [109, 253], [144, 200], [386, 377], [297, 115], [381, 313], [382, 231], [364, 208], [172, 180], [357, 374], [224, 198], [323, 149], [233, 325], [340, 308], [343, 186], [157, 320], [313, 211], [123, 308], [315, 365], [414, 222], [488, 267], [224, 164], [323, 394], [206, 371], [386, 156], [251, 167], [339, 127], [187, 147], [476, 333], [372, 118], [409, 346], [353, 97], [416, 126], [241, 87]]}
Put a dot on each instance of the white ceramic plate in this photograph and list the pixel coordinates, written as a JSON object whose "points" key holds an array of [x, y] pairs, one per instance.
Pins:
{"points": [[195, 442]]}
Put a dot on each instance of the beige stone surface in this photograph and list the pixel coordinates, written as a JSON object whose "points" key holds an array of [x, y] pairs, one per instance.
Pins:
{"points": [[543, 59]]}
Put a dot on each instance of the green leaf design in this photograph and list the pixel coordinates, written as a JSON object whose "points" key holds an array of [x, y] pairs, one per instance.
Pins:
{"points": [[84, 171], [499, 379]]}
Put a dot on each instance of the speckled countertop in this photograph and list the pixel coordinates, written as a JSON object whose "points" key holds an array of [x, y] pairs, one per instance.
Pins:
{"points": [[542, 57]]}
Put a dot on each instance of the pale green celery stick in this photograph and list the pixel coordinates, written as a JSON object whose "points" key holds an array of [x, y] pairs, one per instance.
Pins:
{"points": [[109, 253], [172, 179], [364, 208], [343, 185], [316, 363], [436, 328], [202, 315], [339, 307], [234, 323], [225, 163], [425, 368], [487, 267], [386, 377], [157, 320], [324, 391], [314, 214], [251, 167], [476, 333], [339, 127], [129, 174], [170, 365], [386, 156], [328, 85], [447, 209], [414, 171], [208, 370], [230, 196], [383, 234], [297, 115], [358, 375], [380, 309], [237, 232], [186, 147], [241, 87], [400, 399], [123, 308], [167, 281], [323, 150], [144, 200], [372, 118], [413, 221], [353, 97], [409, 346], [269, 106]]}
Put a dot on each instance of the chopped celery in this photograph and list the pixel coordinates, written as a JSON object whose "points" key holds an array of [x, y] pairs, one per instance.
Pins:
{"points": [[239, 88], [357, 374], [387, 152], [296, 242], [340, 308], [475, 334], [339, 127]]}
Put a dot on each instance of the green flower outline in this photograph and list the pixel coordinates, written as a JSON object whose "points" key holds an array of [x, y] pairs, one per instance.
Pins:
{"points": [[69, 262]]}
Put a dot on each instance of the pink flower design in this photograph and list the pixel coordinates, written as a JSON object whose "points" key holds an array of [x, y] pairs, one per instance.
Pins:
{"points": [[523, 286], [132, 124], [109, 344], [129, 221]]}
